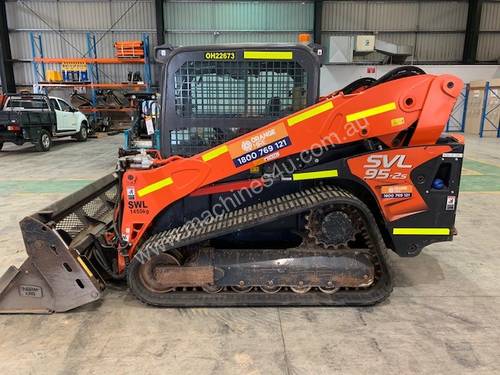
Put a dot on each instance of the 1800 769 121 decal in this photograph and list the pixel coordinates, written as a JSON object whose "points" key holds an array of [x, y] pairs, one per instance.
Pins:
{"points": [[263, 146]]}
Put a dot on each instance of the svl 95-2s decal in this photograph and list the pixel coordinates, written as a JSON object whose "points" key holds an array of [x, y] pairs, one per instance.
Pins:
{"points": [[380, 167]]}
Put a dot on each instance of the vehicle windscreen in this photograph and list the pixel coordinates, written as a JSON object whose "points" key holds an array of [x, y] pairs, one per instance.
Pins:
{"points": [[26, 103]]}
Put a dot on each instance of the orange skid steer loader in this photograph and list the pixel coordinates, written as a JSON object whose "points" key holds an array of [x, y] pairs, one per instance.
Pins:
{"points": [[263, 193]]}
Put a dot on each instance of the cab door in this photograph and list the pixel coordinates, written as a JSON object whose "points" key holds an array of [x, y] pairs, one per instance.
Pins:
{"points": [[66, 119], [60, 115]]}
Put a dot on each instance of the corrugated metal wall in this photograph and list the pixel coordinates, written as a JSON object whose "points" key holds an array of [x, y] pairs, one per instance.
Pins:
{"points": [[435, 29], [218, 22], [63, 25], [489, 38]]}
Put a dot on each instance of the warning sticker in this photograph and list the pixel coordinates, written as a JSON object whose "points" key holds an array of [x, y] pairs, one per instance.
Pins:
{"points": [[150, 128], [131, 192], [451, 202], [457, 155], [396, 191], [263, 145], [398, 121]]}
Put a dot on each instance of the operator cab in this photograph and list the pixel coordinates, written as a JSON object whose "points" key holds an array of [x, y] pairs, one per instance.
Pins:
{"points": [[211, 94]]}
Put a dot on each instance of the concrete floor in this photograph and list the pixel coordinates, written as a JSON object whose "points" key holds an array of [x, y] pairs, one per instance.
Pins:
{"points": [[443, 317]]}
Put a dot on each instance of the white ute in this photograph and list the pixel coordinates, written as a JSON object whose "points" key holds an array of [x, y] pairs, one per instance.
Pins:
{"points": [[38, 118], [70, 121]]}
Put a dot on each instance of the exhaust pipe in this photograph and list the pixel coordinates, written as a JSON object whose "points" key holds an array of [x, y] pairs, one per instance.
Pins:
{"points": [[56, 276]]}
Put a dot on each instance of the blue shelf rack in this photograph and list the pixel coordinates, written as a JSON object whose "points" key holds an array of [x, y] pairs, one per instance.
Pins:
{"points": [[487, 122]]}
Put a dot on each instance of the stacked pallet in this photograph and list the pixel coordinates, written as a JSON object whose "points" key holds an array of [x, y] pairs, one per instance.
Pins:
{"points": [[129, 49]]}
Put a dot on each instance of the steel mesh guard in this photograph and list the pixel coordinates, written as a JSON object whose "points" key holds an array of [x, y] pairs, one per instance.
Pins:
{"points": [[187, 142], [224, 89], [233, 89], [93, 210]]}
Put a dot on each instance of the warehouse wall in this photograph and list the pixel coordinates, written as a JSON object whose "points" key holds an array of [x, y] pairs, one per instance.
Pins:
{"points": [[434, 29], [213, 22], [489, 37], [334, 77], [63, 25]]}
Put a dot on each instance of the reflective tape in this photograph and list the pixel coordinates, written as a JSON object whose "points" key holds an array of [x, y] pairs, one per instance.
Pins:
{"points": [[371, 112], [84, 266], [310, 113], [154, 187], [214, 153], [422, 231], [315, 175], [268, 55]]}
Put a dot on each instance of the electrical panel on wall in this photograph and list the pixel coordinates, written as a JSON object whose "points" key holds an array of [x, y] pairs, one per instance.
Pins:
{"points": [[364, 43], [340, 49]]}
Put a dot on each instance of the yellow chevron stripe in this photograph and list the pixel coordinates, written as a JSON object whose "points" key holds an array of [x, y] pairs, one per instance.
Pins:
{"points": [[214, 153], [268, 55], [371, 112], [310, 113], [154, 187], [422, 231], [84, 266], [315, 175]]}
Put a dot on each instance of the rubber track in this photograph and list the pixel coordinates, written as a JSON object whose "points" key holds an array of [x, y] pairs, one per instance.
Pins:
{"points": [[244, 218], [248, 217]]}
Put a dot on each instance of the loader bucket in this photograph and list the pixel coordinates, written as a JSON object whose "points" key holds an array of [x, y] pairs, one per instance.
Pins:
{"points": [[57, 277]]}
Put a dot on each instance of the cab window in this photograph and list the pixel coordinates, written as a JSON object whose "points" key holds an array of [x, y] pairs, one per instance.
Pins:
{"points": [[64, 106], [27, 103], [54, 104]]}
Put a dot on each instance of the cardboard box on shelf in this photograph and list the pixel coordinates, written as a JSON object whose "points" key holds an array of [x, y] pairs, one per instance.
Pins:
{"points": [[475, 108]]}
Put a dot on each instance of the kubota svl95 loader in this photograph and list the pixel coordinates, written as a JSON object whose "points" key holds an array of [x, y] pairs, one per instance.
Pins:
{"points": [[262, 194]]}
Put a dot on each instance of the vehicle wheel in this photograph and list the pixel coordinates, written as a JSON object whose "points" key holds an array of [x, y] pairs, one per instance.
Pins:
{"points": [[44, 141], [1, 146], [83, 134]]}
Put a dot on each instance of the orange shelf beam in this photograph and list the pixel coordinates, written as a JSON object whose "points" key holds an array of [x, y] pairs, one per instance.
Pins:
{"points": [[111, 60], [95, 85], [94, 110]]}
